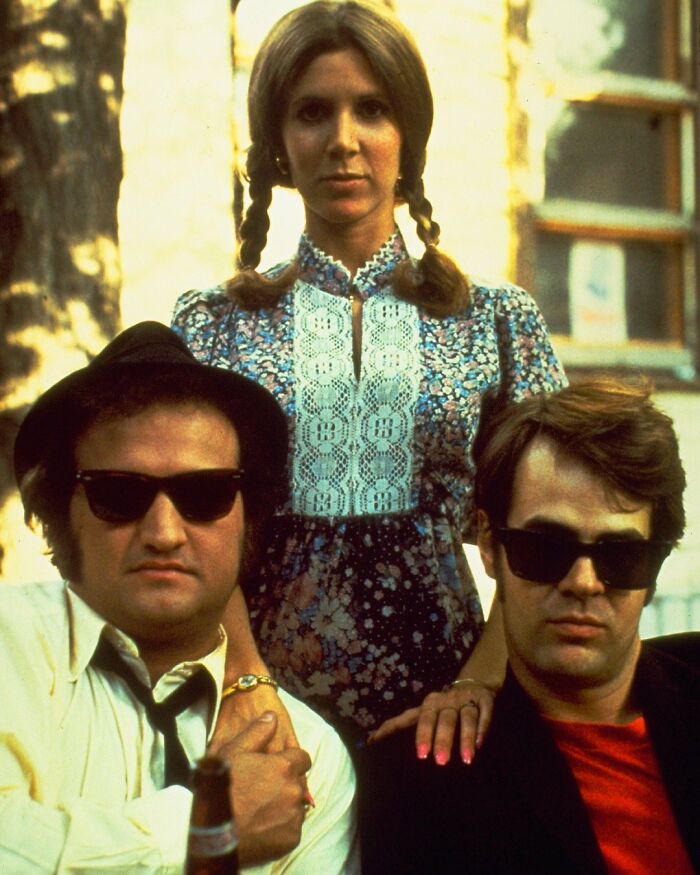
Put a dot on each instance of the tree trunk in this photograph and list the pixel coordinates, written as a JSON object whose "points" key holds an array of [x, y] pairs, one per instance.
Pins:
{"points": [[60, 169]]}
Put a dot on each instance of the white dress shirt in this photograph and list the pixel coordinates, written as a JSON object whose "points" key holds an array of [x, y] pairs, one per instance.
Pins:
{"points": [[82, 769]]}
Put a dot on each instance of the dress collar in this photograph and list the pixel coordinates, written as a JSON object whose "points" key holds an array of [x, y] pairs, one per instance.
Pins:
{"points": [[317, 268]]}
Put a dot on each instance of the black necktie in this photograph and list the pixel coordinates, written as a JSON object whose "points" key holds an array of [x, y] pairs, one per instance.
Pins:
{"points": [[161, 714]]}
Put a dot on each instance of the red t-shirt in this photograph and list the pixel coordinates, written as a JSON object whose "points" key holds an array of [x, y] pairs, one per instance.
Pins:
{"points": [[621, 786]]}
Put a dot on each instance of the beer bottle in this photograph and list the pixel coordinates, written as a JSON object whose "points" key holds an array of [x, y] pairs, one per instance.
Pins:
{"points": [[212, 844]]}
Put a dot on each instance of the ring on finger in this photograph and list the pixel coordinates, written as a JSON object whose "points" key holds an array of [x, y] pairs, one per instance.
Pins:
{"points": [[471, 704]]}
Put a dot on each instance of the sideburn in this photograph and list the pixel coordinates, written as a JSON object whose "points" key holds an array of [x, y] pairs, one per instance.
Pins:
{"points": [[499, 567], [251, 552]]}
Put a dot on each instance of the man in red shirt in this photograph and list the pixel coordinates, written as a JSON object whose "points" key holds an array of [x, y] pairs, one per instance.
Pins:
{"points": [[591, 763]]}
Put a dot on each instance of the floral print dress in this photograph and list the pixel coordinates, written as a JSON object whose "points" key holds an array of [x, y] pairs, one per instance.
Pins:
{"points": [[365, 602]]}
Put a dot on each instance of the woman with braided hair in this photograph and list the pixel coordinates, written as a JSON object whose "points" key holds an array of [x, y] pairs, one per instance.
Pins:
{"points": [[364, 602]]}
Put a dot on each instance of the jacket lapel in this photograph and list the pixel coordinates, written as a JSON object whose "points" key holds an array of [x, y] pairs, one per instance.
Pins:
{"points": [[668, 692], [542, 778]]}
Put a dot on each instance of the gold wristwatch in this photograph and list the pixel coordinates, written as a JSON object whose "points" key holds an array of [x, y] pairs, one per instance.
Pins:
{"points": [[246, 683]]}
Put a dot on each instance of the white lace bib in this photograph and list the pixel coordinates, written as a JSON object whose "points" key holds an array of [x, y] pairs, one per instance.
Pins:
{"points": [[353, 451]]}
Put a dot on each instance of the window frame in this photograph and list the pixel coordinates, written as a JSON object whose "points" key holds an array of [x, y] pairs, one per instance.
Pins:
{"points": [[577, 219]]}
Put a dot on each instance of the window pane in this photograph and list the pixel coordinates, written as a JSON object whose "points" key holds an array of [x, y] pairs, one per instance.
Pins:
{"points": [[596, 153], [649, 294], [621, 36]]}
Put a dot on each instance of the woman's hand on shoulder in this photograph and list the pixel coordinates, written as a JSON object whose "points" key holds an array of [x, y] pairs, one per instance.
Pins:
{"points": [[239, 709], [468, 703]]}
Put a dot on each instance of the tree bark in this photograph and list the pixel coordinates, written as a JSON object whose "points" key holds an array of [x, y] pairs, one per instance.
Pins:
{"points": [[61, 69]]}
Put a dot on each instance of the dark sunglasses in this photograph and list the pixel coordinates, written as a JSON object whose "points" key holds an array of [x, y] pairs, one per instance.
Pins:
{"points": [[124, 497], [546, 558]]}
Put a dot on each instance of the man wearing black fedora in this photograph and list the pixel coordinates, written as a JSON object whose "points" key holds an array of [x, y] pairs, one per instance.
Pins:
{"points": [[150, 475]]}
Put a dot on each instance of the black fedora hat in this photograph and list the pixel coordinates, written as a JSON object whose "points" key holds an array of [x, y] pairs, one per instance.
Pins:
{"points": [[149, 346]]}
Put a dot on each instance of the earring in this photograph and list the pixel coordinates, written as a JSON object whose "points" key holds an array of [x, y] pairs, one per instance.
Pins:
{"points": [[282, 166]]}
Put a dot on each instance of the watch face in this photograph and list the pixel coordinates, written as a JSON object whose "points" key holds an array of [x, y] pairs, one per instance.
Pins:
{"points": [[247, 682]]}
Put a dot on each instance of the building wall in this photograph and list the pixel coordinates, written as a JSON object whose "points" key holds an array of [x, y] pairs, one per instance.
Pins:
{"points": [[467, 178]]}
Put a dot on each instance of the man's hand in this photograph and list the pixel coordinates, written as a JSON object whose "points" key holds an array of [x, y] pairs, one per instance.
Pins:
{"points": [[268, 792], [436, 722], [237, 712]]}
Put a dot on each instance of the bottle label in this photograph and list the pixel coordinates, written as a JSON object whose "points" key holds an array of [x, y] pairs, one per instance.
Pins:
{"points": [[212, 841]]}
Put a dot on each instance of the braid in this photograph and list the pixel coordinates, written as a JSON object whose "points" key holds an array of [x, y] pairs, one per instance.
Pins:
{"points": [[256, 224], [421, 211], [249, 288], [438, 285]]}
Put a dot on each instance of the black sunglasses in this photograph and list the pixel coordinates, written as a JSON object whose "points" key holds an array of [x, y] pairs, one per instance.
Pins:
{"points": [[547, 558], [124, 496]]}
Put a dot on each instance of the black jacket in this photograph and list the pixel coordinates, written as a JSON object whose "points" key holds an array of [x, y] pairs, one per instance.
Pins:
{"points": [[517, 809]]}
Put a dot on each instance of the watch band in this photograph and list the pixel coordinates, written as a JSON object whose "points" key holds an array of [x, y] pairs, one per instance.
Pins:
{"points": [[246, 683]]}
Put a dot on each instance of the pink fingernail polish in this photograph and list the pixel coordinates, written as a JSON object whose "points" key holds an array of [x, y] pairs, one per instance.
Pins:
{"points": [[479, 741], [441, 758], [422, 751], [467, 756]]}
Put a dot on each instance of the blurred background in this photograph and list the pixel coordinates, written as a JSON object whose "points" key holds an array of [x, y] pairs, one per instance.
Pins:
{"points": [[564, 157]]}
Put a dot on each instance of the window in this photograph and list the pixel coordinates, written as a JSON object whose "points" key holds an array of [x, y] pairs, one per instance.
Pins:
{"points": [[615, 267]]}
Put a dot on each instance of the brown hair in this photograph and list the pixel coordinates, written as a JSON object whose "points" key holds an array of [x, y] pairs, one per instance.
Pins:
{"points": [[613, 428], [294, 42]]}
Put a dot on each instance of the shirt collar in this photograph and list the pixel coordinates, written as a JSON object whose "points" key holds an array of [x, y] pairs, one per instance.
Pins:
{"points": [[319, 269], [87, 626]]}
